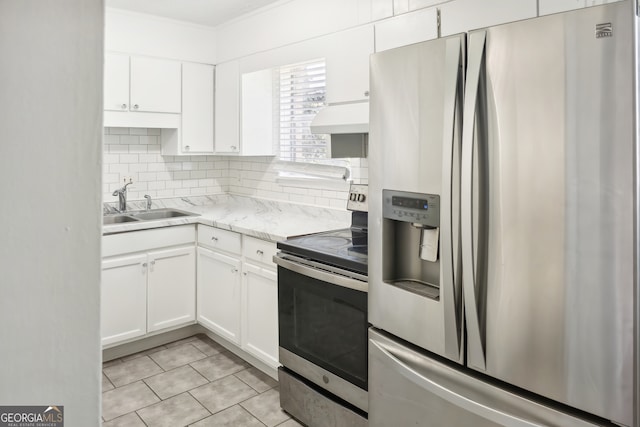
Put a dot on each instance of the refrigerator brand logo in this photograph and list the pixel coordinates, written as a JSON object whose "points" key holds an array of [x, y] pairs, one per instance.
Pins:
{"points": [[604, 30]]}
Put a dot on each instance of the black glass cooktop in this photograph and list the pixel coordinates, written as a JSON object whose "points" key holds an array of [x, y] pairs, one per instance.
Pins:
{"points": [[345, 248]]}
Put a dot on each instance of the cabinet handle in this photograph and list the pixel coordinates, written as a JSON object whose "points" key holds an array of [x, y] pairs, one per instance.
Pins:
{"points": [[186, 148], [245, 273], [123, 106], [260, 252], [153, 262], [233, 148], [214, 238], [144, 265], [136, 106], [366, 93], [234, 270]]}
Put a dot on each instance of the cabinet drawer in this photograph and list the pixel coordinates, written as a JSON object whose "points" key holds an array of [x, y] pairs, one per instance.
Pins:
{"points": [[144, 240], [259, 250], [216, 238]]}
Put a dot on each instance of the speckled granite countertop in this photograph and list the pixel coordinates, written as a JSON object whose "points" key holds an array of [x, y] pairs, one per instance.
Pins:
{"points": [[264, 219]]}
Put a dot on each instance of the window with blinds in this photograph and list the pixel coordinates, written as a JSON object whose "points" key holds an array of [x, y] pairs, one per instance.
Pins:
{"points": [[302, 95]]}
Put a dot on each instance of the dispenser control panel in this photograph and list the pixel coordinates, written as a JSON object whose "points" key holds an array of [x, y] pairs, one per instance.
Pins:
{"points": [[411, 207], [358, 198]]}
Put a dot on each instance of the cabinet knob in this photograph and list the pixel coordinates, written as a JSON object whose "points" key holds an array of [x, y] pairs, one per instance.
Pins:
{"points": [[233, 148], [123, 106], [245, 273], [186, 148], [259, 252], [136, 106], [153, 262], [234, 271], [214, 238], [144, 264], [366, 93]]}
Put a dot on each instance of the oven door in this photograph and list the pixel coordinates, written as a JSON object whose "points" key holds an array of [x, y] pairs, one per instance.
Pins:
{"points": [[322, 317]]}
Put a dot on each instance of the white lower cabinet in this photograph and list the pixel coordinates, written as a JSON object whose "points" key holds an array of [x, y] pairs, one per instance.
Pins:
{"points": [[219, 293], [148, 282], [243, 308], [171, 288], [123, 298], [260, 313]]}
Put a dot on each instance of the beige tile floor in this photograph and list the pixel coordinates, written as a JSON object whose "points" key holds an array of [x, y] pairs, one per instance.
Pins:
{"points": [[191, 382]]}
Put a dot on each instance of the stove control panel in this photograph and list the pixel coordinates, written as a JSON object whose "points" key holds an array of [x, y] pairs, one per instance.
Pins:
{"points": [[358, 198]]}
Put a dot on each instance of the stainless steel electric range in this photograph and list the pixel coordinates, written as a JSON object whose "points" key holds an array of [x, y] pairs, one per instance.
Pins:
{"points": [[322, 316]]}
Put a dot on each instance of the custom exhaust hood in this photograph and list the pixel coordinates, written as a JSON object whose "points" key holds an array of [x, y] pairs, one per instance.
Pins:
{"points": [[348, 125]]}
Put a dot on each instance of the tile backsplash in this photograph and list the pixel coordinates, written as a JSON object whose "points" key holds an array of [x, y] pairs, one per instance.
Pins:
{"points": [[136, 153]]}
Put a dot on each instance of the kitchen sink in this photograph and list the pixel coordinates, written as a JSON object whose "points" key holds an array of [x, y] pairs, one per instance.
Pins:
{"points": [[117, 219], [161, 214], [150, 215]]}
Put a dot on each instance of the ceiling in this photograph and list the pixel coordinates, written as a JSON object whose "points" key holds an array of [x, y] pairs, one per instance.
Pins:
{"points": [[203, 12]]}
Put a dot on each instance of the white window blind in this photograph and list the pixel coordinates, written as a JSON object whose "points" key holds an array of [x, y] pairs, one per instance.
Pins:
{"points": [[302, 95]]}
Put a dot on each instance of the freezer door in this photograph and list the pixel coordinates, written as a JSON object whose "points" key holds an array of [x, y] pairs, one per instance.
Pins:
{"points": [[407, 388], [548, 207], [414, 140]]}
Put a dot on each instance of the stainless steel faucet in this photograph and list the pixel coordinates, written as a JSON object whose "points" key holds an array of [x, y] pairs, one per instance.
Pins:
{"points": [[122, 195], [148, 197]]}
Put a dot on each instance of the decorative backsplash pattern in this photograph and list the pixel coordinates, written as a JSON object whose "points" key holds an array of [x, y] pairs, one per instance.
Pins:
{"points": [[136, 153]]}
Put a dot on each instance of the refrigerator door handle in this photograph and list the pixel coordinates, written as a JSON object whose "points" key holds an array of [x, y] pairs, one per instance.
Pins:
{"points": [[472, 286], [450, 395], [452, 294]]}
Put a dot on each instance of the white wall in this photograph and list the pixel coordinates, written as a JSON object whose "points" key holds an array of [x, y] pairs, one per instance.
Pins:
{"points": [[50, 221], [136, 153], [155, 36]]}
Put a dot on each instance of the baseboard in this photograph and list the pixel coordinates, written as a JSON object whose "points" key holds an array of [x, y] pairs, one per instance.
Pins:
{"points": [[272, 372], [163, 338], [146, 343]]}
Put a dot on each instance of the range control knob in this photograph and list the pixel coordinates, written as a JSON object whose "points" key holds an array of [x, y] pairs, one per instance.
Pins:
{"points": [[353, 197], [362, 198]]}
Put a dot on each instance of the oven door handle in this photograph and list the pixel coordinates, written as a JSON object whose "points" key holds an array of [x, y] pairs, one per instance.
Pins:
{"points": [[325, 274]]}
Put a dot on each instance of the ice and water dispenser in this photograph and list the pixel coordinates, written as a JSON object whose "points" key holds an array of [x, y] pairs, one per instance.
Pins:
{"points": [[410, 242]]}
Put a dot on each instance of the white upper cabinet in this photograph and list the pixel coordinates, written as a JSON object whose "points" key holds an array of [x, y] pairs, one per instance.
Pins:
{"points": [[141, 84], [257, 114], [548, 7], [197, 109], [465, 15], [347, 58], [227, 108], [155, 85], [116, 82], [406, 29]]}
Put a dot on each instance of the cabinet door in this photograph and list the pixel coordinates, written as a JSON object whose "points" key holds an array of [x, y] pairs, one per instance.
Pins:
{"points": [[123, 303], [406, 29], [219, 293], [260, 314], [227, 131], [257, 113], [548, 7], [197, 108], [172, 288], [464, 15], [155, 85], [116, 82], [348, 64]]}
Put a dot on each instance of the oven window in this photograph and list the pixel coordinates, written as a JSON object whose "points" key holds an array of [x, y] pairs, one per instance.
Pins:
{"points": [[325, 324]]}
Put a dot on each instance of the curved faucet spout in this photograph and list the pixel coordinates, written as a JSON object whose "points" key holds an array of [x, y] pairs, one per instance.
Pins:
{"points": [[122, 196]]}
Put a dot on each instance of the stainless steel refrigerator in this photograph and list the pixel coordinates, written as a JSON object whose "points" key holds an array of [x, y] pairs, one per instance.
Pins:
{"points": [[503, 223]]}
